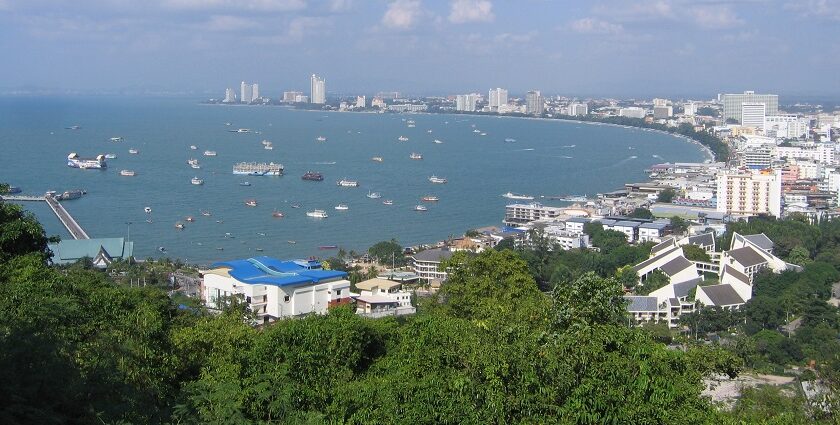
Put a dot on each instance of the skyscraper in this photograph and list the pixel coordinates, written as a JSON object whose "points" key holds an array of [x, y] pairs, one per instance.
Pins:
{"points": [[689, 109], [245, 92], [466, 102], [752, 115], [534, 103], [497, 97], [732, 104], [255, 92], [230, 96], [317, 90], [578, 109]]}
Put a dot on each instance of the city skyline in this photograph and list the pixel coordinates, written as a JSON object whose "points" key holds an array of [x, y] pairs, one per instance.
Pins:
{"points": [[660, 48]]}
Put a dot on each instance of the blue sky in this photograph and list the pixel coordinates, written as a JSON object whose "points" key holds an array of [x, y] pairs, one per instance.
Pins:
{"points": [[600, 47]]}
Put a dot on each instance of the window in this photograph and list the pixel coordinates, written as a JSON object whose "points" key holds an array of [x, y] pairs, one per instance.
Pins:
{"points": [[338, 292], [286, 298]]}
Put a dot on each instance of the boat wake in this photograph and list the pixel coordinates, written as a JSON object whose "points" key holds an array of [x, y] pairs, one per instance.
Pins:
{"points": [[526, 149], [325, 163], [568, 146], [656, 156]]}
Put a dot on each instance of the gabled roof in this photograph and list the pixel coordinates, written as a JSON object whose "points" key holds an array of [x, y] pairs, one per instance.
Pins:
{"points": [[271, 271], [71, 250], [641, 303], [652, 260], [761, 240], [435, 255], [683, 288], [676, 265], [704, 239], [722, 295], [727, 270], [747, 256], [667, 243]]}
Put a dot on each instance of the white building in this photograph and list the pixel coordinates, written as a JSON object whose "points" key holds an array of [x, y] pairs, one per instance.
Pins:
{"points": [[497, 97], [360, 102], [660, 102], [732, 104], [245, 92], [632, 112], [576, 109], [426, 263], [255, 92], [690, 109], [748, 193], [753, 114], [292, 96], [519, 214], [317, 90], [757, 158], [534, 103], [565, 239], [381, 297], [230, 96], [273, 288], [823, 153], [786, 126], [466, 102]]}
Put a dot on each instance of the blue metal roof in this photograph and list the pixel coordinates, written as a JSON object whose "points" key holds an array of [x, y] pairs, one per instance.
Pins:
{"points": [[271, 271]]}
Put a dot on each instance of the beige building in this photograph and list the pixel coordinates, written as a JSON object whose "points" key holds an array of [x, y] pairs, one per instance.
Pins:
{"points": [[748, 193]]}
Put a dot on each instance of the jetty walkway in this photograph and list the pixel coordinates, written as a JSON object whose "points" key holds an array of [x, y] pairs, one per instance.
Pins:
{"points": [[73, 227]]}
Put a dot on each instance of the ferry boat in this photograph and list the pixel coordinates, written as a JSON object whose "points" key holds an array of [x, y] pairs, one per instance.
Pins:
{"points": [[317, 214], [437, 180], [277, 214], [128, 173], [430, 199], [420, 208], [258, 169], [376, 159], [511, 195], [179, 226], [387, 202], [209, 153], [342, 207], [374, 195], [415, 155], [193, 147], [133, 151], [117, 139], [110, 156], [402, 138], [148, 210], [312, 176], [251, 202], [197, 181], [74, 161], [348, 183], [438, 141], [321, 139]]}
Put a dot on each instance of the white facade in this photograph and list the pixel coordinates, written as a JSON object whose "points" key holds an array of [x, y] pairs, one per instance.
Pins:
{"points": [[466, 102], [576, 109], [567, 240], [732, 104], [822, 153], [690, 109], [255, 92], [230, 96], [317, 90], [786, 126], [517, 214], [632, 112], [245, 92], [497, 97], [360, 101], [753, 114], [292, 96], [746, 193]]}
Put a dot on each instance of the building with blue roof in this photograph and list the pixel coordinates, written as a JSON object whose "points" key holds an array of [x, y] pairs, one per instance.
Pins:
{"points": [[274, 288]]}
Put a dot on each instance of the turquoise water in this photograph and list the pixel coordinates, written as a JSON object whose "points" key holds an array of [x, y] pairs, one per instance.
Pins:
{"points": [[547, 158]]}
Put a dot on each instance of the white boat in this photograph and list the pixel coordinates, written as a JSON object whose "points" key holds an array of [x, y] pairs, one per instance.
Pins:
{"points": [[428, 131], [209, 153], [437, 180], [179, 226], [266, 142], [511, 195], [420, 208], [148, 210], [402, 138], [415, 155], [193, 147], [374, 195], [510, 140], [342, 207], [317, 214], [197, 181], [430, 199], [74, 161], [128, 173], [482, 134], [411, 126], [268, 147], [476, 131], [110, 156], [192, 161], [348, 183], [133, 151], [195, 166], [388, 202], [438, 141], [377, 159], [321, 139], [117, 139]]}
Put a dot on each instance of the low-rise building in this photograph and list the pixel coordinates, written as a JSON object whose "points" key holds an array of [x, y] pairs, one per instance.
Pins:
{"points": [[426, 263], [101, 251], [519, 214]]}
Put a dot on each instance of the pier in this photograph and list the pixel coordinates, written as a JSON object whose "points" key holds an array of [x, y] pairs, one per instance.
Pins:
{"points": [[73, 227]]}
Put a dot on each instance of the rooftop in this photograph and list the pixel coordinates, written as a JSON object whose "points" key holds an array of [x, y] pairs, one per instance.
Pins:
{"points": [[746, 256], [71, 250], [722, 295], [676, 265], [641, 303], [382, 284], [433, 255], [271, 271]]}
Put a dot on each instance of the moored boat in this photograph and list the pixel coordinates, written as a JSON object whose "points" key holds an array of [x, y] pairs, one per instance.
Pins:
{"points": [[317, 214], [511, 195], [374, 195], [197, 181], [251, 202], [430, 199], [437, 180], [312, 176], [128, 173]]}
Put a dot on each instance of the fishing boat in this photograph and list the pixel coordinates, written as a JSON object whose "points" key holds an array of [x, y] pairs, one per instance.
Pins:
{"points": [[415, 155], [317, 214], [388, 202], [277, 214], [189, 218], [321, 139], [179, 226], [133, 151], [511, 195], [430, 199], [437, 180], [420, 208], [128, 173], [251, 202], [374, 195], [376, 159], [209, 153], [148, 210], [347, 183], [342, 207], [402, 138], [197, 181], [117, 139]]}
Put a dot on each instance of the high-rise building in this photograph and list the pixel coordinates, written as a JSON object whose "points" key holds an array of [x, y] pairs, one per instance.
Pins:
{"points": [[255, 92], [534, 103], [466, 102], [660, 102], [245, 95], [292, 96], [752, 115], [632, 112], [576, 109], [747, 193], [732, 104], [663, 112], [497, 97], [689, 109], [360, 101], [786, 126], [317, 90], [230, 96]]}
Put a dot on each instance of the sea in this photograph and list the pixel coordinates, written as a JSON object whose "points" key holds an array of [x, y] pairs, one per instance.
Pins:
{"points": [[481, 157]]}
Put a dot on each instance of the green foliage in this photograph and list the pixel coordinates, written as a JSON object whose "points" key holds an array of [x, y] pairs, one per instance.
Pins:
{"points": [[388, 253], [666, 196], [679, 224], [20, 233], [654, 281], [769, 404], [587, 301], [695, 253], [642, 213]]}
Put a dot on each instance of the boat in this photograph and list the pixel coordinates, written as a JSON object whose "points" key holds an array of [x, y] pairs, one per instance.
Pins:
{"points": [[510, 140], [415, 155], [295, 205], [410, 122], [323, 247], [342, 207], [195, 166], [258, 249], [374, 195], [193, 147], [377, 159], [128, 173], [291, 242], [437, 180], [482, 134], [205, 213], [73, 127], [430, 199], [511, 195], [116, 139], [133, 151], [388, 202], [74, 161], [245, 184], [420, 208], [277, 214], [179, 226], [258, 169], [251, 202], [402, 138], [411, 126], [438, 141], [240, 130], [110, 156], [266, 143], [227, 124], [12, 190], [189, 218], [268, 147], [218, 248], [317, 214], [148, 210], [321, 139], [161, 249], [197, 181], [209, 153], [312, 176], [192, 161], [428, 131], [347, 183], [476, 131]]}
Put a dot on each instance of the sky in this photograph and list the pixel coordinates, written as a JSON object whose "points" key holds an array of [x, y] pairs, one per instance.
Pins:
{"points": [[616, 48]]}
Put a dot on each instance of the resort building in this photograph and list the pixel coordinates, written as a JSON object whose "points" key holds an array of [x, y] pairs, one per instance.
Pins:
{"points": [[426, 263], [381, 297], [733, 104], [749, 193], [519, 214], [275, 289]]}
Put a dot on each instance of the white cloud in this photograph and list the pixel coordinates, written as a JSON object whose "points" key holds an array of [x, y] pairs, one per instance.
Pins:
{"points": [[595, 26], [402, 14], [471, 11], [714, 16], [228, 23], [255, 5], [298, 29], [825, 9]]}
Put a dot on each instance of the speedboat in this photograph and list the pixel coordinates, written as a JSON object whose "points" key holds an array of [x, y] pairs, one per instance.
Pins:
{"points": [[388, 202], [321, 139], [317, 214], [161, 249], [148, 210], [402, 138], [277, 214], [420, 208], [179, 226], [197, 181], [117, 139], [192, 161], [374, 195], [342, 207], [128, 173], [133, 151], [245, 184], [251, 202], [205, 213], [295, 205], [438, 141], [193, 147], [189, 218], [322, 247], [110, 156], [195, 166], [348, 183], [482, 134], [268, 147], [437, 180], [291, 242], [415, 155], [209, 153], [377, 159], [430, 199], [428, 131], [266, 143], [476, 131]]}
